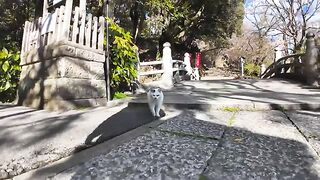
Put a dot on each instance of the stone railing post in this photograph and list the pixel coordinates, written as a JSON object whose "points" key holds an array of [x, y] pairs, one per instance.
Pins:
{"points": [[310, 61], [187, 63], [167, 77], [262, 69], [242, 61]]}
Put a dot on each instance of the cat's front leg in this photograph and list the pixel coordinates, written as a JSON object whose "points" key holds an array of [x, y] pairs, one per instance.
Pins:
{"points": [[152, 109], [157, 110]]}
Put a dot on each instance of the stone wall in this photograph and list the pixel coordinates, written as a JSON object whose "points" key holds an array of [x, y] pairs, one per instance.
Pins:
{"points": [[62, 76]]}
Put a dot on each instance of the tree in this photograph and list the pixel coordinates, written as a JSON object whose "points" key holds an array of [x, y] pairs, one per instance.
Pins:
{"points": [[180, 22], [288, 18]]}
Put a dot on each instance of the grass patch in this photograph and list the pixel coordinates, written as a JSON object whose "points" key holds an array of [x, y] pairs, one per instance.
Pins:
{"points": [[120, 95], [232, 119], [231, 109]]}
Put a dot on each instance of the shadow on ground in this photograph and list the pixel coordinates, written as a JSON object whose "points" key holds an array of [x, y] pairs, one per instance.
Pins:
{"points": [[127, 119], [241, 154]]}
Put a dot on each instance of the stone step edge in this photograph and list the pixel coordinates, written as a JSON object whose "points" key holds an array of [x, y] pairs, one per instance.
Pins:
{"points": [[250, 106]]}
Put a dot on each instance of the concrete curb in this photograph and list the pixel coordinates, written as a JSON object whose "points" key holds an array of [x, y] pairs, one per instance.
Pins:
{"points": [[249, 106], [85, 155]]}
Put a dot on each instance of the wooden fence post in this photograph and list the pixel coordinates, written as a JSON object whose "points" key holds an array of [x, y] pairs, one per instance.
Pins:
{"points": [[310, 60], [167, 76]]}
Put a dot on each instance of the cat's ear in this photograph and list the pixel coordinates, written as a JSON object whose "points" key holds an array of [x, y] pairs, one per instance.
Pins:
{"points": [[159, 89]]}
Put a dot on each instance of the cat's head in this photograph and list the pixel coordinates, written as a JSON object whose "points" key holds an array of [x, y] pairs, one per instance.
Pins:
{"points": [[155, 92]]}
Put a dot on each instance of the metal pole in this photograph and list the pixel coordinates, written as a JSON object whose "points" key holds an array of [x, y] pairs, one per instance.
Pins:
{"points": [[107, 55]]}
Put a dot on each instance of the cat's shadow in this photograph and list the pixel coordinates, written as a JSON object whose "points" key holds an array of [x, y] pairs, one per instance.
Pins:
{"points": [[125, 120]]}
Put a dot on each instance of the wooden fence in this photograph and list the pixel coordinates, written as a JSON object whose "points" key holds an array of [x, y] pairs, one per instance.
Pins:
{"points": [[169, 67], [75, 27]]}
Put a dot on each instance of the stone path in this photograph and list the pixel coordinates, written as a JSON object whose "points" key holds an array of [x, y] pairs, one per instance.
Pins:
{"points": [[211, 130], [249, 94], [199, 145]]}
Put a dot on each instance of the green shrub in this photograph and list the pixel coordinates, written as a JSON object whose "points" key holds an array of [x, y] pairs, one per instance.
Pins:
{"points": [[119, 95], [9, 74], [251, 69], [123, 53]]}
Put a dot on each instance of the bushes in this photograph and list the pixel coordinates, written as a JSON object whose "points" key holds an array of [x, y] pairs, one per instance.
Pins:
{"points": [[123, 53], [251, 69], [9, 74]]}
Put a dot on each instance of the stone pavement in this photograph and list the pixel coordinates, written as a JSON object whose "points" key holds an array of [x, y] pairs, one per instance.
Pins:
{"points": [[248, 94], [201, 136], [203, 145]]}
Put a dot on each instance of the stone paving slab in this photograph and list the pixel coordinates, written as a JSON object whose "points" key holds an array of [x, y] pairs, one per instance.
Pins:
{"points": [[244, 155], [249, 94], [195, 123], [308, 122], [155, 155], [263, 145]]}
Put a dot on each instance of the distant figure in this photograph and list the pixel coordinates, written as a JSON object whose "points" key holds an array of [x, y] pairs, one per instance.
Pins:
{"points": [[155, 100]]}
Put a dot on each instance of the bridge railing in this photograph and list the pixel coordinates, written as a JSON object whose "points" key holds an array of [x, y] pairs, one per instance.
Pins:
{"points": [[169, 68], [286, 66], [302, 67]]}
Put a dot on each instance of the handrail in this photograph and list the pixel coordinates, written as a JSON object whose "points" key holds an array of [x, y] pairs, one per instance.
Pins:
{"points": [[280, 64]]}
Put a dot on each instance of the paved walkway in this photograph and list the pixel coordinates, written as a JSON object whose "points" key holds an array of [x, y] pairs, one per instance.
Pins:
{"points": [[249, 94], [227, 142]]}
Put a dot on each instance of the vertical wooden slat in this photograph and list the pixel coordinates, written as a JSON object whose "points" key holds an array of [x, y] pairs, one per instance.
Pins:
{"points": [[66, 20], [83, 5], [60, 24], [24, 38], [94, 33], [88, 30], [50, 37], [24, 45], [32, 34], [75, 28], [82, 27], [101, 33], [56, 25], [45, 8], [38, 31]]}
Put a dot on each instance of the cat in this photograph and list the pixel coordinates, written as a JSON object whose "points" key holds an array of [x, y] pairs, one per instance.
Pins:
{"points": [[155, 100]]}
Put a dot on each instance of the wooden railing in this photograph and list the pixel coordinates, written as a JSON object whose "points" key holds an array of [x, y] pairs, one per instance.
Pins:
{"points": [[76, 28], [303, 67], [176, 65], [287, 66]]}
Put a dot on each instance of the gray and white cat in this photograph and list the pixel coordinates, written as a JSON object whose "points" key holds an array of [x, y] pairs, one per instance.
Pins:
{"points": [[155, 100]]}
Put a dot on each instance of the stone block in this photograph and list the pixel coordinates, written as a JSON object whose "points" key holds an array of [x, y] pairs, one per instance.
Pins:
{"points": [[60, 76], [97, 70], [80, 88], [63, 67]]}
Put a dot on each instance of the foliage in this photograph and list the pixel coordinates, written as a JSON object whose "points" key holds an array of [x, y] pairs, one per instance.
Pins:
{"points": [[231, 109], [181, 22], [123, 53], [255, 49], [251, 69], [119, 95], [9, 74]]}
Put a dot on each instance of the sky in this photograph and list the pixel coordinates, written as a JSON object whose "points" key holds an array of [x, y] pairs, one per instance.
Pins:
{"points": [[315, 20], [249, 3]]}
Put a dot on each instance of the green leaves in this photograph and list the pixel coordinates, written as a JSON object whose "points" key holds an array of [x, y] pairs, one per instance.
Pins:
{"points": [[9, 74], [123, 57], [5, 66]]}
